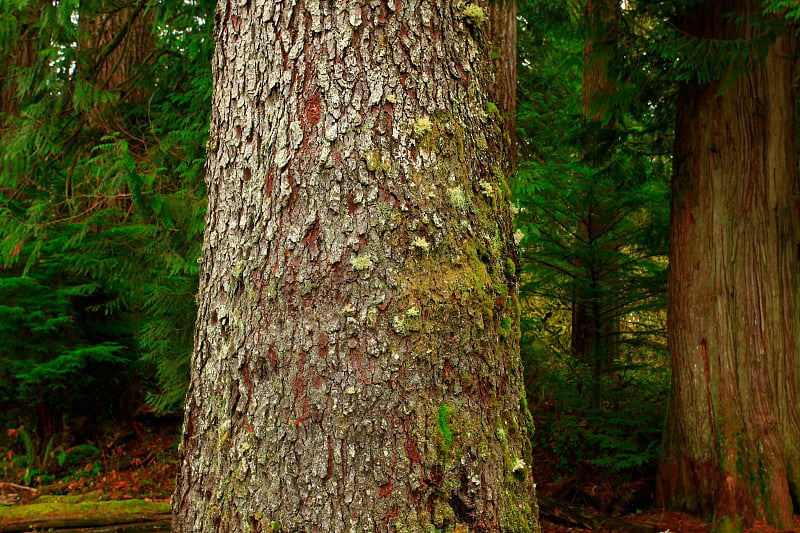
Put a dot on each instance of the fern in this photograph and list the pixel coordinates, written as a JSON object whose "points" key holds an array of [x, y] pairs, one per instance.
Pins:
{"points": [[101, 214]]}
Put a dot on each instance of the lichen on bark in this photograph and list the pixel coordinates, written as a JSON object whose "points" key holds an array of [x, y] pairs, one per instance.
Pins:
{"points": [[356, 282]]}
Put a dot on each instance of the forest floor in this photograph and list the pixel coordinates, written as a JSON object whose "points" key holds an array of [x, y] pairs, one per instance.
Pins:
{"points": [[142, 465], [628, 499]]}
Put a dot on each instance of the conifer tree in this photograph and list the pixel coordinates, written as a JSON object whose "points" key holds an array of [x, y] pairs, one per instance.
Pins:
{"points": [[731, 447], [356, 358], [102, 202], [592, 198], [595, 335]]}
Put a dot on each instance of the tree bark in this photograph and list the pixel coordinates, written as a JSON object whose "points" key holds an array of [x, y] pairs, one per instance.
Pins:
{"points": [[119, 39], [503, 22], [731, 445], [356, 359], [19, 54]]}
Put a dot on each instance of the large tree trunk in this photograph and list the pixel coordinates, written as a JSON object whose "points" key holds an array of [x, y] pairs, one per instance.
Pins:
{"points": [[356, 359], [732, 441]]}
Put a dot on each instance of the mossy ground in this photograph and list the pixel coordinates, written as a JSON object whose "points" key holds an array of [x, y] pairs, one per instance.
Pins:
{"points": [[80, 505]]}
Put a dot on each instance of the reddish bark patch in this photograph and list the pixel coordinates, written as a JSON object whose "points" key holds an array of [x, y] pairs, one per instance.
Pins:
{"points": [[313, 110], [247, 381], [322, 345], [269, 183], [412, 452], [273, 356], [312, 233], [384, 491]]}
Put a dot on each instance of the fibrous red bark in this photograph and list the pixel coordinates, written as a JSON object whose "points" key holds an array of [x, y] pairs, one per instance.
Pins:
{"points": [[732, 441]]}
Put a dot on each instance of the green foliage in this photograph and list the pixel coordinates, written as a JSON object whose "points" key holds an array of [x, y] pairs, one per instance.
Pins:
{"points": [[57, 352], [788, 8], [593, 201], [101, 210], [593, 204], [662, 48], [622, 436]]}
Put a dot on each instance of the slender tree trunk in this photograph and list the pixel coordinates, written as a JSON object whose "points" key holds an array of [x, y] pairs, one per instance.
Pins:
{"points": [[732, 441], [503, 22], [600, 26], [18, 54], [356, 361], [594, 335], [118, 39]]}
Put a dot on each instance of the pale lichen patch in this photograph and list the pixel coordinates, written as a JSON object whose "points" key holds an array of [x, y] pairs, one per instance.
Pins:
{"points": [[422, 126], [399, 325], [457, 197], [474, 14], [421, 243], [362, 262], [487, 189]]}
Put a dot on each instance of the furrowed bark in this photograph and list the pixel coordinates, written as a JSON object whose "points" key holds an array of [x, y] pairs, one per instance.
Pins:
{"points": [[356, 361], [732, 442]]}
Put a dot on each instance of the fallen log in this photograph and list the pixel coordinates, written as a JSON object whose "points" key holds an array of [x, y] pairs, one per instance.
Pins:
{"points": [[13, 494], [163, 526], [99, 524], [575, 515], [144, 527]]}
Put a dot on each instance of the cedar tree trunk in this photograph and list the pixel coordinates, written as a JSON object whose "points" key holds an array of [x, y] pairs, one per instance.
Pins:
{"points": [[356, 361], [732, 441]]}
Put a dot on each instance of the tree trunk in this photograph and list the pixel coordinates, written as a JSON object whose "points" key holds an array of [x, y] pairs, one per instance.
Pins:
{"points": [[594, 335], [19, 53], [503, 22], [731, 445], [600, 21], [119, 39], [356, 359]]}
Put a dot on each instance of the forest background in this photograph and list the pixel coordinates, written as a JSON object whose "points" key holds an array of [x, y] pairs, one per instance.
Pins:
{"points": [[104, 112]]}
